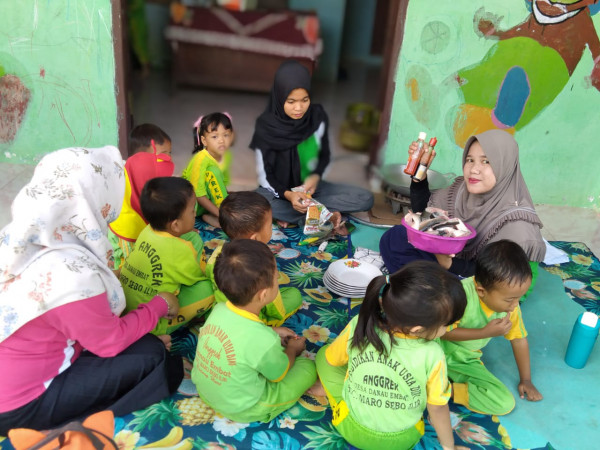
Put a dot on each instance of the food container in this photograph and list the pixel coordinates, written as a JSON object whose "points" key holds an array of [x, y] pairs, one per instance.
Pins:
{"points": [[437, 244]]}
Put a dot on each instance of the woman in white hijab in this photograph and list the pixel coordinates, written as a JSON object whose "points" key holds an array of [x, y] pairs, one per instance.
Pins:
{"points": [[64, 351]]}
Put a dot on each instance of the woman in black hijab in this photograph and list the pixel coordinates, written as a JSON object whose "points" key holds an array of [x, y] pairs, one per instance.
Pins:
{"points": [[292, 149]]}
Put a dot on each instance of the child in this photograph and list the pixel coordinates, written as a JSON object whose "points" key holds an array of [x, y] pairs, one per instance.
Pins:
{"points": [[243, 369], [247, 215], [168, 254], [149, 138], [384, 368], [213, 137], [152, 149], [502, 276], [292, 148]]}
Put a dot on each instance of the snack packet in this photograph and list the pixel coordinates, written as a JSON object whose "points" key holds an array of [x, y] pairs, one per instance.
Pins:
{"points": [[317, 214]]}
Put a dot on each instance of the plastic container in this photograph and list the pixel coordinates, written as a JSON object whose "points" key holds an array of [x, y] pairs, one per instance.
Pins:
{"points": [[583, 337], [437, 244]]}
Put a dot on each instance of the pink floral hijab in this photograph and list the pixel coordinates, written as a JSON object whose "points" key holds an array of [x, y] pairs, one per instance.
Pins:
{"points": [[55, 250]]}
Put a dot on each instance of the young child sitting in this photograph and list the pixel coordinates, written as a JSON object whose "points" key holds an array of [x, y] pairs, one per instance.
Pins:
{"points": [[168, 254], [152, 158], [213, 137], [384, 368], [502, 276], [247, 215], [244, 369]]}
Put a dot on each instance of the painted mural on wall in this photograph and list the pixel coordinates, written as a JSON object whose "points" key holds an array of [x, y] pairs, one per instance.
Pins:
{"points": [[530, 67], [56, 77]]}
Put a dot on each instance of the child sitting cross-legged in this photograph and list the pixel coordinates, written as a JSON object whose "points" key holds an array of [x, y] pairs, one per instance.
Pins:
{"points": [[168, 254], [502, 277], [384, 368], [244, 369], [247, 215]]}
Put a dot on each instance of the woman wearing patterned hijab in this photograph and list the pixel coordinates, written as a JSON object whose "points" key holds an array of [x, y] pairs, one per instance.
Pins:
{"points": [[64, 351], [491, 196], [292, 148]]}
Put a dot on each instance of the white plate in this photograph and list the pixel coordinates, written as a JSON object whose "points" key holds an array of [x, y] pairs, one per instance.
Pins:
{"points": [[353, 273], [345, 294], [341, 288]]}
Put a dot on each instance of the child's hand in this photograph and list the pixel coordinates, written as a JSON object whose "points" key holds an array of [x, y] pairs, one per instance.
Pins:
{"points": [[284, 333], [498, 327], [526, 388], [297, 344], [173, 303]]}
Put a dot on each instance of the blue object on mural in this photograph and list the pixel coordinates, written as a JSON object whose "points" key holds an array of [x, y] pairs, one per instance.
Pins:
{"points": [[512, 97]]}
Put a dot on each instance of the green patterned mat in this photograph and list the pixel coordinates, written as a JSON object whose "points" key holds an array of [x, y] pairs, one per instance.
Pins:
{"points": [[185, 422]]}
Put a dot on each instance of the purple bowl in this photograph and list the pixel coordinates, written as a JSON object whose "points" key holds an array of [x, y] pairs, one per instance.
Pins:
{"points": [[437, 244]]}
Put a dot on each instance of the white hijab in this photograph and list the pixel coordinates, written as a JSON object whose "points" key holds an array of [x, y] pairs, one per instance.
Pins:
{"points": [[55, 250]]}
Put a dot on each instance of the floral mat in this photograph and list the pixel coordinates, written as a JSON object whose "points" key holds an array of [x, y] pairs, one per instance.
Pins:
{"points": [[185, 422]]}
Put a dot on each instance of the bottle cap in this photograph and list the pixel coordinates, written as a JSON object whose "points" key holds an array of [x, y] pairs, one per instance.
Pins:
{"points": [[432, 142], [422, 135], [589, 319]]}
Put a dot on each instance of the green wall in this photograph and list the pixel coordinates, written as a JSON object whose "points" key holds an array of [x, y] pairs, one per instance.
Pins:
{"points": [[57, 77], [449, 78]]}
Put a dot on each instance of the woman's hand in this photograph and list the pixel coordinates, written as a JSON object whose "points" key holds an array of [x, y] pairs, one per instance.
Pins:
{"points": [[426, 158], [311, 183], [298, 200], [173, 303], [444, 260]]}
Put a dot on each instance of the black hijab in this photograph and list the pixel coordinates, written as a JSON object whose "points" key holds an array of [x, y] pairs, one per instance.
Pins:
{"points": [[274, 129]]}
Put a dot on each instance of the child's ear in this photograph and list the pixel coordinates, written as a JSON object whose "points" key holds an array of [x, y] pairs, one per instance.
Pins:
{"points": [[174, 227], [253, 236], [416, 330], [480, 290], [203, 140], [262, 296]]}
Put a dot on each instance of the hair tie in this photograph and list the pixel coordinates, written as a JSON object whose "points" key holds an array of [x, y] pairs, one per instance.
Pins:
{"points": [[387, 283]]}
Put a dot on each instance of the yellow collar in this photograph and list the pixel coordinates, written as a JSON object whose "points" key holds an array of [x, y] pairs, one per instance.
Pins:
{"points": [[242, 312]]}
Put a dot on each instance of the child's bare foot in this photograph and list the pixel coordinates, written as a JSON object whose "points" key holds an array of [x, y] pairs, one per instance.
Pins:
{"points": [[166, 339], [283, 224], [317, 389], [211, 220]]}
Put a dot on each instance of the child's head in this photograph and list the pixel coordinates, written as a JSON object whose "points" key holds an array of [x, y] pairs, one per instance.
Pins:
{"points": [[214, 133], [246, 215], [245, 271], [150, 139], [169, 204], [502, 275], [420, 299]]}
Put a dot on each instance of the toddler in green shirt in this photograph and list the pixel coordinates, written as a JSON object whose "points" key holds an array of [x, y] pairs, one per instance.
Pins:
{"points": [[168, 254], [244, 369], [247, 215], [502, 277]]}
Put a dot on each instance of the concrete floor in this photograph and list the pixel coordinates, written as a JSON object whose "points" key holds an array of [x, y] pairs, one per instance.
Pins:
{"points": [[176, 111]]}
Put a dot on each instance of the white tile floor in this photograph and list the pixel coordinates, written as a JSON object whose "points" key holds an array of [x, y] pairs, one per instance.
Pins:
{"points": [[175, 112]]}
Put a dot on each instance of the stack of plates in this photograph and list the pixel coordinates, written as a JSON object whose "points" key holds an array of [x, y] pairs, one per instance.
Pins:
{"points": [[349, 277]]}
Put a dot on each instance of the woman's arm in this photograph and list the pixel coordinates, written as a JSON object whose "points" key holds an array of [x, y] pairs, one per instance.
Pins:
{"points": [[268, 159], [419, 195], [91, 323], [324, 152]]}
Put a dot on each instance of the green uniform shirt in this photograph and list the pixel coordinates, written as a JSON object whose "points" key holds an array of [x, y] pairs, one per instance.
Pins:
{"points": [[204, 173], [161, 262], [478, 315], [236, 355], [389, 394]]}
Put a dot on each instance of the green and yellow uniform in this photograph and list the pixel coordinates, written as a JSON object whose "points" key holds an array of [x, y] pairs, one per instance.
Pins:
{"points": [[242, 371], [204, 173], [161, 262], [378, 400]]}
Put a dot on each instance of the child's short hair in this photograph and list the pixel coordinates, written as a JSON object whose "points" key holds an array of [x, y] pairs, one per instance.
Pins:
{"points": [[210, 123], [164, 199], [502, 261], [243, 268], [243, 213], [141, 137]]}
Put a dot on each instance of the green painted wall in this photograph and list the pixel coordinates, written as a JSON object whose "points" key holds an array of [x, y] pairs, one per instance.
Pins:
{"points": [[57, 77], [557, 131]]}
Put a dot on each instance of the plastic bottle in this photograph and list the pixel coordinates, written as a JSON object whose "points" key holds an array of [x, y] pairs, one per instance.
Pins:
{"points": [[425, 162], [583, 337], [413, 161]]}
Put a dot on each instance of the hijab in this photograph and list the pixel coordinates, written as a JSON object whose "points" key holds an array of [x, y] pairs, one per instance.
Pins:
{"points": [[55, 250], [274, 129], [508, 201]]}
